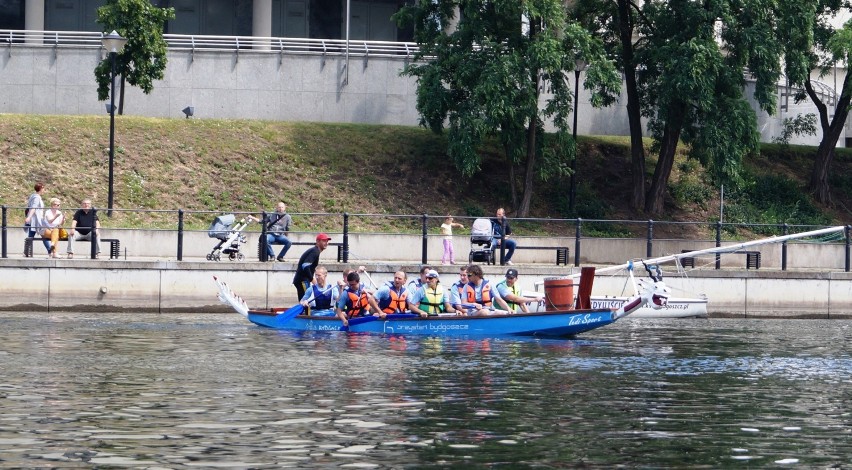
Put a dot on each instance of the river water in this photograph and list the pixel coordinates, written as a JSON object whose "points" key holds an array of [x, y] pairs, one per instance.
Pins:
{"points": [[167, 391]]}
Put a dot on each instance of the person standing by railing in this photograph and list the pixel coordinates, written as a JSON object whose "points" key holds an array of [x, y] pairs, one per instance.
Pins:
{"points": [[307, 265], [34, 217], [447, 231]]}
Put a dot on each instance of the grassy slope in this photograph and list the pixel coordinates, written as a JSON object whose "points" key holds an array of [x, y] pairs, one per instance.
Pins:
{"points": [[229, 165]]}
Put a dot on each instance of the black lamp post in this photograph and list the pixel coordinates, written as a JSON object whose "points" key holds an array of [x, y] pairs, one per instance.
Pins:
{"points": [[113, 43], [579, 66]]}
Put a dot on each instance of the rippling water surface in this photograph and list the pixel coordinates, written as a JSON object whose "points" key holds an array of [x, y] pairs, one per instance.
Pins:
{"points": [[215, 391]]}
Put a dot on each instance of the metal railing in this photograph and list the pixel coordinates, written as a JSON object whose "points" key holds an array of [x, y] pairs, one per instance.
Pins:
{"points": [[424, 225], [197, 43]]}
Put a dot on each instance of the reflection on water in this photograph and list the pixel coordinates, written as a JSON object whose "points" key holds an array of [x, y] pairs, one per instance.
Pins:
{"points": [[215, 391]]}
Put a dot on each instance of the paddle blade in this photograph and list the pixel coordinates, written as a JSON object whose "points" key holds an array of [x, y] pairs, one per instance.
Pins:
{"points": [[290, 313]]}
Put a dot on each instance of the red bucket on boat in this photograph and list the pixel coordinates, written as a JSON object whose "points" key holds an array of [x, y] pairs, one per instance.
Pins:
{"points": [[558, 294]]}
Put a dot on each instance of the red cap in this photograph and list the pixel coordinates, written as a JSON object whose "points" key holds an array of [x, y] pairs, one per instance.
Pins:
{"points": [[323, 236]]}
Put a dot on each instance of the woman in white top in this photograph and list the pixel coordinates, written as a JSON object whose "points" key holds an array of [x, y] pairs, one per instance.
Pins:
{"points": [[52, 228]]}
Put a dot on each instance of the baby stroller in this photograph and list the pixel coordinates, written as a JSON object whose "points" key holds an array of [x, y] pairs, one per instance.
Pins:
{"points": [[229, 236], [482, 242]]}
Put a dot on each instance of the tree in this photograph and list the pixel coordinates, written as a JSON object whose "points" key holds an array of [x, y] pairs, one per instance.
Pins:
{"points": [[143, 59], [485, 78], [690, 59], [812, 44]]}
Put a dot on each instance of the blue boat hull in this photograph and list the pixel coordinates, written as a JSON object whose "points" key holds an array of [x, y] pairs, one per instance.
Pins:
{"points": [[558, 324]]}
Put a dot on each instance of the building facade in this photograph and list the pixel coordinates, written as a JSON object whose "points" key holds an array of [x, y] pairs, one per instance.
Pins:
{"points": [[320, 19]]}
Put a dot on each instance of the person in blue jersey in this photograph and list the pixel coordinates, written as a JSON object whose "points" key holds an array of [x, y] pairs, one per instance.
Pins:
{"points": [[431, 299], [318, 298], [478, 297], [457, 289], [392, 296], [418, 282], [355, 301], [511, 293]]}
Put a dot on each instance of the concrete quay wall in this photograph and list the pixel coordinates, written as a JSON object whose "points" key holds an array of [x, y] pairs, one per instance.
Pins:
{"points": [[44, 285]]}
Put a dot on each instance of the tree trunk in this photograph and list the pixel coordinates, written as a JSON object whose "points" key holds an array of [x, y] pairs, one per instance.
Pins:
{"points": [[512, 186], [634, 117], [526, 200], [830, 135], [671, 135]]}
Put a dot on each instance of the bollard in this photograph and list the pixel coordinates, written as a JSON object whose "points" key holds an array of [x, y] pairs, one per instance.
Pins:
{"points": [[264, 243], [180, 236], [649, 247], [345, 237]]}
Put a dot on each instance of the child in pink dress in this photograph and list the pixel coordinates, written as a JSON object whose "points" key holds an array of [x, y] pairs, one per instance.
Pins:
{"points": [[447, 232]]}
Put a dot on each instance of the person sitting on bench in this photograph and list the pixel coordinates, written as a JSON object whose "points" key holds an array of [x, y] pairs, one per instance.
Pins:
{"points": [[52, 228], [81, 227]]}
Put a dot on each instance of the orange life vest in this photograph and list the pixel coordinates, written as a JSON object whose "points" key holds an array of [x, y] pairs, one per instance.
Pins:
{"points": [[356, 303], [396, 303], [486, 294]]}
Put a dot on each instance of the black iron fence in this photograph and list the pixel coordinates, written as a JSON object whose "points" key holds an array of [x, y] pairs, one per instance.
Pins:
{"points": [[180, 222]]}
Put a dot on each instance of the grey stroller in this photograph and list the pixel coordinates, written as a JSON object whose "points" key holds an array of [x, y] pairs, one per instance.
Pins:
{"points": [[482, 242], [230, 237]]}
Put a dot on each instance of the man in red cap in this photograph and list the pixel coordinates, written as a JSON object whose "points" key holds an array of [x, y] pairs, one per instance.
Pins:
{"points": [[308, 264]]}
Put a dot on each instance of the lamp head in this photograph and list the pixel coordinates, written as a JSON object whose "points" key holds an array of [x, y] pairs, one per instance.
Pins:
{"points": [[113, 42]]}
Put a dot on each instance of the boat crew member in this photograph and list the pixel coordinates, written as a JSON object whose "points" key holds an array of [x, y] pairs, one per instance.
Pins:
{"points": [[355, 301], [392, 296], [477, 295], [511, 294], [308, 264], [457, 289], [431, 299], [318, 298], [416, 284]]}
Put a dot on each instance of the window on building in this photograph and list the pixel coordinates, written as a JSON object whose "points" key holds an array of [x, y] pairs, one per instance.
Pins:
{"points": [[11, 14]]}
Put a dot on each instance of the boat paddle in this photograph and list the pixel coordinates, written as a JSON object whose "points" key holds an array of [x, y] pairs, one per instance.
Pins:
{"points": [[289, 314], [370, 278]]}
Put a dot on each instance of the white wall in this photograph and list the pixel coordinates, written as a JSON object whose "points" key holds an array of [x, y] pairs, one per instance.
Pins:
{"points": [[252, 84]]}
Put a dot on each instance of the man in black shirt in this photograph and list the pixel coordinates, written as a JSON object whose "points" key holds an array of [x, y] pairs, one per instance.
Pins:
{"points": [[85, 219], [308, 264]]}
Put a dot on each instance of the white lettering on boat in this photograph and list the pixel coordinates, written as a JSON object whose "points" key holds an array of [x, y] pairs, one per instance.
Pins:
{"points": [[422, 326], [586, 319]]}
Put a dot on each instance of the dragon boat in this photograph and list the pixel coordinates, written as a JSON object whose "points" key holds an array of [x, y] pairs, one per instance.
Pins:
{"points": [[561, 323]]}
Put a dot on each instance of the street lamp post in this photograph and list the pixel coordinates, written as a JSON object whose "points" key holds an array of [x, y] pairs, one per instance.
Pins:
{"points": [[113, 43], [579, 66]]}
